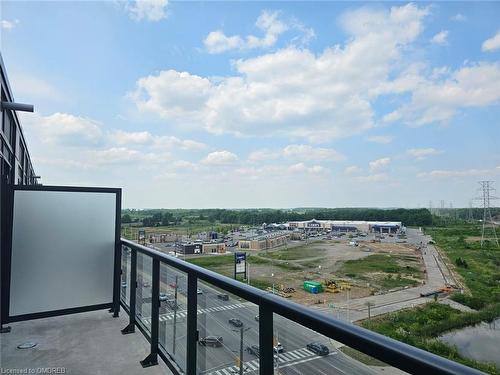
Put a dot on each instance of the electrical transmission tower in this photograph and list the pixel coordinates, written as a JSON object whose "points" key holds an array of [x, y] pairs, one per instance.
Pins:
{"points": [[486, 189]]}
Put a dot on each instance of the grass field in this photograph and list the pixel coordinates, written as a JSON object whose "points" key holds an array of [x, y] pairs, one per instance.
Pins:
{"points": [[385, 271], [379, 263], [420, 327], [481, 270]]}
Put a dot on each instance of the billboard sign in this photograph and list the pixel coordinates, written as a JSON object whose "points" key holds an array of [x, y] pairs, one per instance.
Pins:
{"points": [[240, 266]]}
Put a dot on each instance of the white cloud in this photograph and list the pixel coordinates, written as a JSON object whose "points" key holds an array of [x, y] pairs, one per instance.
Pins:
{"points": [[438, 100], [8, 25], [60, 127], [263, 155], [379, 164], [297, 152], [459, 17], [378, 177], [440, 38], [292, 92], [423, 153], [302, 168], [218, 42], [151, 10], [124, 155], [307, 152], [353, 169], [167, 142], [172, 94], [115, 155], [381, 139], [122, 137], [220, 158], [459, 173], [268, 23], [492, 44]]}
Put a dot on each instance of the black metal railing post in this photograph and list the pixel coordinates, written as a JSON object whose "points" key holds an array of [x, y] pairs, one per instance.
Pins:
{"points": [[130, 328], [192, 324], [266, 338], [152, 358]]}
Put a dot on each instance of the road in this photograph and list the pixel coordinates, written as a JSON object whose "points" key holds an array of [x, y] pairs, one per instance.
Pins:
{"points": [[213, 317]]}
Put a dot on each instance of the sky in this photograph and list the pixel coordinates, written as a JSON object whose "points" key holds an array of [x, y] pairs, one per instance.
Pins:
{"points": [[260, 104]]}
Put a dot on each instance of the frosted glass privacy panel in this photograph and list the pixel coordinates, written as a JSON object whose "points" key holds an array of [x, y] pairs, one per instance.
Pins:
{"points": [[62, 250]]}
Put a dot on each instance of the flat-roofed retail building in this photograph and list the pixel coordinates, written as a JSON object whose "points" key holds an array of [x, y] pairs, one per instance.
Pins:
{"points": [[264, 241]]}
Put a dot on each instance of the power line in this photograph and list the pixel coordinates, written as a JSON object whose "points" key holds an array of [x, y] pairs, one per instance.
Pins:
{"points": [[486, 188]]}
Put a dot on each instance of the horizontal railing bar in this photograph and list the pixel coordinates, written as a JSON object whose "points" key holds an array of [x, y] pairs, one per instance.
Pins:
{"points": [[388, 350]]}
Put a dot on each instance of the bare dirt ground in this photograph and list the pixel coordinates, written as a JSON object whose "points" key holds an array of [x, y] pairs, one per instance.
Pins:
{"points": [[321, 260]]}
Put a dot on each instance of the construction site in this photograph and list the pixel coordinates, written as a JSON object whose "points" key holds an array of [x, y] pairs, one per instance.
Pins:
{"points": [[329, 271]]}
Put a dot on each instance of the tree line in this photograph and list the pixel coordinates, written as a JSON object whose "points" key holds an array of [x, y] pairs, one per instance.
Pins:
{"points": [[409, 217]]}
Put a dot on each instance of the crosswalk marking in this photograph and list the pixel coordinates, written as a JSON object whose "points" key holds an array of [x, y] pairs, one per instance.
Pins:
{"points": [[286, 359], [293, 355], [182, 314]]}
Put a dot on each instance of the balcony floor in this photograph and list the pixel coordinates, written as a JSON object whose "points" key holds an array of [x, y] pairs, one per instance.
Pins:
{"points": [[86, 343]]}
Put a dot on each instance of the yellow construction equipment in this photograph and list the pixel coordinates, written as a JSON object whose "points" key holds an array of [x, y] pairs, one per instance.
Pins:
{"points": [[335, 286], [331, 286]]}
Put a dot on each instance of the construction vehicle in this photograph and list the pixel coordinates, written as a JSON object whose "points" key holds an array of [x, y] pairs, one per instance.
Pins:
{"points": [[331, 286], [335, 286]]}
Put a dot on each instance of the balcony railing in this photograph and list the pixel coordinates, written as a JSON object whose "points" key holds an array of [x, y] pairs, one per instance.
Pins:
{"points": [[175, 334]]}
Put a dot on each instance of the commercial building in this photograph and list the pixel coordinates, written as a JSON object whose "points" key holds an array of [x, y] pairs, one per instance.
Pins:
{"points": [[214, 248], [265, 241], [188, 248], [347, 226]]}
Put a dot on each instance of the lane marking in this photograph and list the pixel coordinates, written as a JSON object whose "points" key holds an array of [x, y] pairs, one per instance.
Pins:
{"points": [[170, 315], [302, 355]]}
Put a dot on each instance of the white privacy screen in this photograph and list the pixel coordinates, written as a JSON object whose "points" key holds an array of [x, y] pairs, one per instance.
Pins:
{"points": [[62, 250]]}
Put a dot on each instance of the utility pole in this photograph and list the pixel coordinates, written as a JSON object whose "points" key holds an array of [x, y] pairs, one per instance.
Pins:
{"points": [[369, 305], [242, 331], [486, 188]]}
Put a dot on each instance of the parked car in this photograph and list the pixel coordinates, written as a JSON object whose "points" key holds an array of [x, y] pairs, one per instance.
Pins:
{"points": [[163, 297], [254, 350], [223, 297], [278, 348], [124, 284], [214, 341], [318, 348], [256, 318], [236, 322], [199, 291]]}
